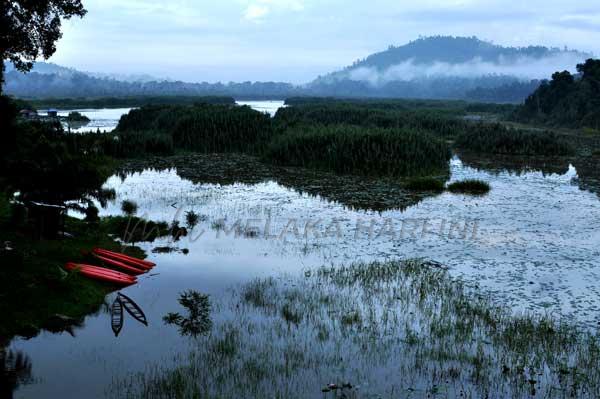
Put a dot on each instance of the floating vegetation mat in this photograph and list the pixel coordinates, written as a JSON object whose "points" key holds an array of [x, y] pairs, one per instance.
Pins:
{"points": [[395, 329]]}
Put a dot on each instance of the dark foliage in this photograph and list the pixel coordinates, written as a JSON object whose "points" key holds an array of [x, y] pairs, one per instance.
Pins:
{"points": [[356, 150], [127, 102], [30, 29], [473, 187], [441, 122], [202, 127], [498, 139], [566, 100]]}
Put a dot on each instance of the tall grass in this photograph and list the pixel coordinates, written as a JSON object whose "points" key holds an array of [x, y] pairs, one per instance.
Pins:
{"points": [[357, 150], [203, 127], [439, 122], [498, 139]]}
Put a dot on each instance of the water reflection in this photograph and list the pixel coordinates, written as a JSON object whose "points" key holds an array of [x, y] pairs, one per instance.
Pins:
{"points": [[518, 165], [124, 303], [197, 320], [354, 192], [15, 370]]}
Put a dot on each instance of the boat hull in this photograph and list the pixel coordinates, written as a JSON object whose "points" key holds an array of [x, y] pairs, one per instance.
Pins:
{"points": [[135, 262], [102, 274]]}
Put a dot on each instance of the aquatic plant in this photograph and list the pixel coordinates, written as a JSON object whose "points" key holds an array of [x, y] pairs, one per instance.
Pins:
{"points": [[377, 329], [357, 150], [437, 118], [469, 186], [201, 127], [191, 219], [496, 138]]}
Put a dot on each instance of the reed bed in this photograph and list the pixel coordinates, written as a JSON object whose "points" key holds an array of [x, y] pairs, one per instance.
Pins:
{"points": [[395, 329], [203, 127], [496, 138], [438, 122], [356, 150]]}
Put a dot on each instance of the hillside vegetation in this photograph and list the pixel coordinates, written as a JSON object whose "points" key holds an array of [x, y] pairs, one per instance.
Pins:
{"points": [[567, 100]]}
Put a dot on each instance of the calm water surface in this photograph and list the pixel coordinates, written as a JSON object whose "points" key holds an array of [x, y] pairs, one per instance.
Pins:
{"points": [[535, 248]]}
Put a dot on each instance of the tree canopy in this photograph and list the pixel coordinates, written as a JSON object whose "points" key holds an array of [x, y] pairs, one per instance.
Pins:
{"points": [[30, 28], [567, 100]]}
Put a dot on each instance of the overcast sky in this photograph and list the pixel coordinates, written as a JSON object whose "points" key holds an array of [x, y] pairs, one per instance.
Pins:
{"points": [[296, 40]]}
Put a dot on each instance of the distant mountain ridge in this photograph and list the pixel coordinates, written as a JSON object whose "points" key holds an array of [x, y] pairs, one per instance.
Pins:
{"points": [[457, 50], [442, 67]]}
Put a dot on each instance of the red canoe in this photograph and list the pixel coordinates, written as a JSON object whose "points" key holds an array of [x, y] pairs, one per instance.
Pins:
{"points": [[102, 274], [127, 268], [144, 264]]}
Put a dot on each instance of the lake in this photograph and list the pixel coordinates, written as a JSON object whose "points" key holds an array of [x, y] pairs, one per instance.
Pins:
{"points": [[531, 243]]}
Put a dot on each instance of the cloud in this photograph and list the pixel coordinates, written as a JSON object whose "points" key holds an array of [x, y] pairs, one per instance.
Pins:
{"points": [[258, 9], [525, 68], [255, 12]]}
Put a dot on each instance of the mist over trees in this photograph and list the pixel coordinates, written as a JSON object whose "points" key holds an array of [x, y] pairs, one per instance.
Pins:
{"points": [[436, 67]]}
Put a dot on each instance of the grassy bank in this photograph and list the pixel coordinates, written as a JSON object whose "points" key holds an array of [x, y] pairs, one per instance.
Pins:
{"points": [[396, 329], [35, 292]]}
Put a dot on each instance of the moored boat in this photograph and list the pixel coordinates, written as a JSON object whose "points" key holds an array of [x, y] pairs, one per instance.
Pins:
{"points": [[121, 265], [102, 274], [144, 264]]}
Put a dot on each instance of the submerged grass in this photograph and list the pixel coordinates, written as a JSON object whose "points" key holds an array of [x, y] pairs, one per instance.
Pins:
{"points": [[395, 329], [470, 186]]}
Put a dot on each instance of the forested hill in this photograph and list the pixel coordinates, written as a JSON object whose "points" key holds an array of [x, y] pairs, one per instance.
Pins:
{"points": [[567, 100], [449, 67], [458, 50], [436, 67], [53, 81]]}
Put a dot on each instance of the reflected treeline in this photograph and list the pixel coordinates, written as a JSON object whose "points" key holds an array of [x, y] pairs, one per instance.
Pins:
{"points": [[353, 191], [15, 370], [588, 168], [517, 164], [197, 321], [588, 171]]}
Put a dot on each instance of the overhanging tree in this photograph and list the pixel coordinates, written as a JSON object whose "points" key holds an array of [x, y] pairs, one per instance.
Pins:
{"points": [[29, 29]]}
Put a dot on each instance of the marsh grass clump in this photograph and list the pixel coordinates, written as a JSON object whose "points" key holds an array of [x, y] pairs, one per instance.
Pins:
{"points": [[495, 138], [202, 127], [470, 186], [192, 219], [394, 327], [346, 149], [425, 184]]}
